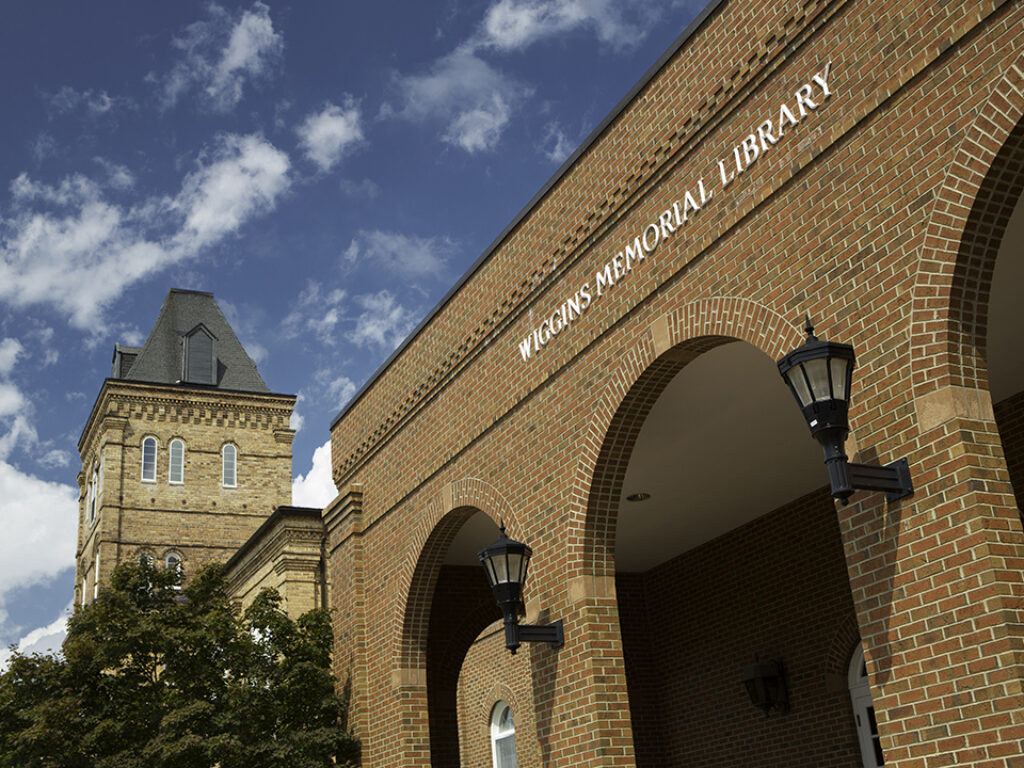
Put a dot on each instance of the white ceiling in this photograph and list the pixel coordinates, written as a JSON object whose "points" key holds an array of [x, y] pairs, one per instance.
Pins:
{"points": [[724, 444]]}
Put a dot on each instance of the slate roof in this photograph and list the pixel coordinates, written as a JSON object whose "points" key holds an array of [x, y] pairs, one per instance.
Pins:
{"points": [[159, 360]]}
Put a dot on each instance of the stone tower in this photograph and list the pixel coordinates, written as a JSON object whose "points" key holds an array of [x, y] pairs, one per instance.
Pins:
{"points": [[186, 451]]}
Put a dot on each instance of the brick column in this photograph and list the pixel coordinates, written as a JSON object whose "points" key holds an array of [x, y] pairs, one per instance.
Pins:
{"points": [[343, 523], [938, 581]]}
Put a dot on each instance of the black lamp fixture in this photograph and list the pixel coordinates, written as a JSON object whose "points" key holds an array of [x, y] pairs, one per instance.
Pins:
{"points": [[819, 374], [765, 682], [505, 562]]}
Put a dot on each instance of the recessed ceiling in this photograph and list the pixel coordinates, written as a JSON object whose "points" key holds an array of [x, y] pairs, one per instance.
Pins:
{"points": [[724, 444]]}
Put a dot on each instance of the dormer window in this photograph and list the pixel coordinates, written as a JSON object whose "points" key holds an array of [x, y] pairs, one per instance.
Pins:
{"points": [[199, 360]]}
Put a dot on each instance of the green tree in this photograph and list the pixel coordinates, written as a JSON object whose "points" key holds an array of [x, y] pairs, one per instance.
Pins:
{"points": [[155, 675]]}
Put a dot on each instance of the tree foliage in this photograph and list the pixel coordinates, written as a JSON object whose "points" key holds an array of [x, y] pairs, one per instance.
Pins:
{"points": [[156, 675]]}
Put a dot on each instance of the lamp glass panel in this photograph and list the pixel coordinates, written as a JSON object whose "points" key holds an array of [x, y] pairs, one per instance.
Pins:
{"points": [[840, 373], [515, 564], [500, 565], [817, 373], [489, 568], [795, 376]]}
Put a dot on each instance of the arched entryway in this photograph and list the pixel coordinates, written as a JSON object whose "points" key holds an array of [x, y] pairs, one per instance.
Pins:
{"points": [[448, 603], [709, 505]]}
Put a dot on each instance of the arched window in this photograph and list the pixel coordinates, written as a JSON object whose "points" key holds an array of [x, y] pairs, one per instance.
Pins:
{"points": [[146, 558], [173, 562], [229, 464], [503, 737], [176, 469], [149, 460], [90, 504], [864, 712], [94, 491], [99, 484]]}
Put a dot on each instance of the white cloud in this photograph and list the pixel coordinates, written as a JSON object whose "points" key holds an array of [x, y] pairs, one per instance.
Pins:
{"points": [[473, 99], [70, 246], [9, 351], [21, 432], [46, 639], [118, 176], [296, 420], [384, 322], [512, 25], [403, 254], [317, 310], [316, 487], [39, 523], [325, 136], [245, 178], [55, 458], [43, 147], [364, 190], [12, 401], [220, 55], [556, 145], [340, 390], [94, 103]]}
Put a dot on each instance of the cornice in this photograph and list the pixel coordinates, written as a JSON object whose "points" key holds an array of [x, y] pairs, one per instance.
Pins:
{"points": [[119, 390]]}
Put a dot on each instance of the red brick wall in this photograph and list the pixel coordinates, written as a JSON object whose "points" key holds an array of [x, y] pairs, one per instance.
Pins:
{"points": [[856, 218], [775, 588]]}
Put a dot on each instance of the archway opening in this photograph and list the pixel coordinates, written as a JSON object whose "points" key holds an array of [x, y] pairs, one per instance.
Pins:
{"points": [[727, 551], [1004, 338], [461, 607]]}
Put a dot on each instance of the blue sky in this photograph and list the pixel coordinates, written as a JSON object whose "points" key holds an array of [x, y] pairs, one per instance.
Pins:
{"points": [[327, 170]]}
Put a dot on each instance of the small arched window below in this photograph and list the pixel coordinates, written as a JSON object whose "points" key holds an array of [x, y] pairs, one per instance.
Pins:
{"points": [[149, 460], [173, 563], [146, 558], [864, 712], [229, 463], [503, 737], [176, 469]]}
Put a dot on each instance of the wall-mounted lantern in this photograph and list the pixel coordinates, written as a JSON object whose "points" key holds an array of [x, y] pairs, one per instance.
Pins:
{"points": [[765, 682], [819, 374], [505, 562]]}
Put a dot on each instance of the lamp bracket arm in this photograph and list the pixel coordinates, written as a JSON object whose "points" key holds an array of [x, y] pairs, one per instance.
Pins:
{"points": [[892, 479], [543, 633]]}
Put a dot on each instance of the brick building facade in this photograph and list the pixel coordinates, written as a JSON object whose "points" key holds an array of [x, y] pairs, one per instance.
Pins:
{"points": [[858, 162]]}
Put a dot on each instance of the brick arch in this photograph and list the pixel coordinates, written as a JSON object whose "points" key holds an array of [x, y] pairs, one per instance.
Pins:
{"points": [[435, 530], [632, 389], [499, 692], [841, 646], [950, 300]]}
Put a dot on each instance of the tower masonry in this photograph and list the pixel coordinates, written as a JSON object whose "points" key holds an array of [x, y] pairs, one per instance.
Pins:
{"points": [[186, 452]]}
